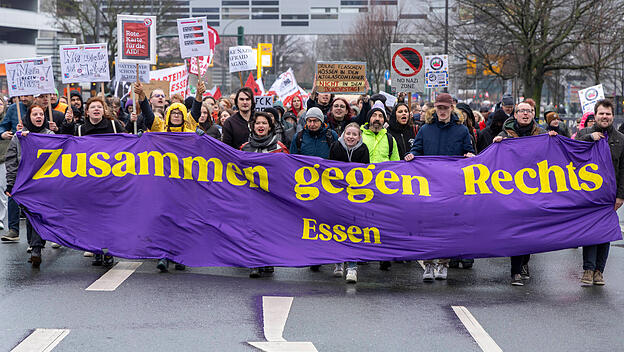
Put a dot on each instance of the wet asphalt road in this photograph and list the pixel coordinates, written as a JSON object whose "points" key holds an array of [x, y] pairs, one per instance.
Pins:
{"points": [[219, 309]]}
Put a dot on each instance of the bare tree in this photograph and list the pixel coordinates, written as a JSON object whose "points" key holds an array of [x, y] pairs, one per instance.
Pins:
{"points": [[533, 38]]}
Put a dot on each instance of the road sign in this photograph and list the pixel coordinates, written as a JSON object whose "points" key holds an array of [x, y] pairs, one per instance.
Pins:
{"points": [[387, 75], [436, 71], [407, 72]]}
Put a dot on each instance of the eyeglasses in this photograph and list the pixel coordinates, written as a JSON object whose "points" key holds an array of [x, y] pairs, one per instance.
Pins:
{"points": [[176, 113], [525, 111]]}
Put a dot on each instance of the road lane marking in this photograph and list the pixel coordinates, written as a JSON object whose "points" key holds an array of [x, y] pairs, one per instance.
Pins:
{"points": [[41, 340], [475, 329], [275, 312], [114, 277]]}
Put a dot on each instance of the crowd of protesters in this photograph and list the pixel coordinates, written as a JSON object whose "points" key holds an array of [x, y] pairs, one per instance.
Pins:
{"points": [[359, 130]]}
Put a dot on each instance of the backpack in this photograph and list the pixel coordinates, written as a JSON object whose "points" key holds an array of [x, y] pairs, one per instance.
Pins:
{"points": [[329, 137], [390, 144]]}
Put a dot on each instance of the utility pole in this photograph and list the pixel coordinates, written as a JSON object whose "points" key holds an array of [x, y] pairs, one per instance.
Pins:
{"points": [[446, 32], [96, 37]]}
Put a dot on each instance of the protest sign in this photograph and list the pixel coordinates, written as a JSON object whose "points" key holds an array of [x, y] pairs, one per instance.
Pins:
{"points": [[84, 63], [589, 97], [436, 71], [242, 59], [193, 35], [204, 63], [127, 72], [136, 39], [148, 88], [406, 74], [30, 76], [555, 183], [263, 102], [178, 76], [285, 85], [341, 77], [391, 100]]}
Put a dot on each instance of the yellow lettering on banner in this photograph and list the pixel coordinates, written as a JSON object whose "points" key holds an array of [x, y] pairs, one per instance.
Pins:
{"points": [[125, 166], [574, 182], [306, 193], [81, 165], [202, 174], [352, 231], [263, 177], [589, 176], [376, 235], [423, 185], [326, 179], [159, 161], [519, 179], [326, 234], [47, 165], [381, 179], [469, 177], [499, 176], [100, 164], [544, 175], [231, 171], [306, 229], [339, 234], [367, 177]]}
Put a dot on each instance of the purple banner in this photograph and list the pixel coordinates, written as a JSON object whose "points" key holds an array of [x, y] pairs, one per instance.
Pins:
{"points": [[196, 201]]}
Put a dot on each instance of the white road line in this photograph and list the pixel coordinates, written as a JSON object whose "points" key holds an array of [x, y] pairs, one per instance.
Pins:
{"points": [[475, 329], [275, 312], [41, 340], [285, 346], [114, 277], [274, 315]]}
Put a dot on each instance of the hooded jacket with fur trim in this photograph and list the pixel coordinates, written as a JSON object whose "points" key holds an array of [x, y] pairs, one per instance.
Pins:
{"points": [[437, 138]]}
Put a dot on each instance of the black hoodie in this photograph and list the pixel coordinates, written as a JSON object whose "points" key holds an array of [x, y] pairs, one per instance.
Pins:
{"points": [[403, 134]]}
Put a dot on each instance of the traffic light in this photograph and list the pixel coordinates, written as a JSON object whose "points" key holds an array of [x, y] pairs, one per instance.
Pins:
{"points": [[241, 35]]}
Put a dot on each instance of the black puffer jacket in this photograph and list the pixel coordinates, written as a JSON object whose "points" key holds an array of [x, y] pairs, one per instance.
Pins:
{"points": [[616, 145], [357, 154]]}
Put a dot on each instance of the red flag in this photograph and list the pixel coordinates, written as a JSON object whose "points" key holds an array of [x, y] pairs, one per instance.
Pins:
{"points": [[251, 83]]}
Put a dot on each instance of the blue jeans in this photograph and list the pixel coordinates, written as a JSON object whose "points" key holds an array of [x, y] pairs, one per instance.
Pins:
{"points": [[595, 257], [14, 215]]}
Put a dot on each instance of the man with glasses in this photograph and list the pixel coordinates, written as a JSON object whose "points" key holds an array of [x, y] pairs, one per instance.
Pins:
{"points": [[157, 99], [522, 124], [442, 134]]}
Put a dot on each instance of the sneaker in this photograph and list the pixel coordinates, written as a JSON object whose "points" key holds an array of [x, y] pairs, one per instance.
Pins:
{"points": [[598, 279], [524, 272], [11, 236], [180, 266], [29, 249], [55, 245], [87, 254], [254, 273], [35, 260], [440, 272], [315, 268], [267, 269], [588, 278], [516, 280], [428, 274], [351, 276], [163, 265], [97, 260], [1, 226], [108, 261], [338, 270], [385, 266]]}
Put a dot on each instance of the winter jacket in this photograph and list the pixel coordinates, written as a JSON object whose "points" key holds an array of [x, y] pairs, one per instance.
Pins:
{"points": [[486, 137], [338, 126], [616, 146], [145, 119], [104, 126], [9, 123], [235, 131], [437, 138], [404, 135], [378, 145], [268, 144], [188, 123], [314, 143], [14, 157], [512, 130], [358, 154]]}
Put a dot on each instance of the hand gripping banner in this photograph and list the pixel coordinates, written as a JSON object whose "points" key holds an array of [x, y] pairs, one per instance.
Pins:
{"points": [[196, 201]]}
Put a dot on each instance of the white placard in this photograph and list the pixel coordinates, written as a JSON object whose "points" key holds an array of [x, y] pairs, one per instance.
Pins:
{"points": [[136, 39], [263, 102], [242, 59], [30, 76], [178, 76], [193, 35], [436, 71], [589, 96], [285, 85], [127, 72], [84, 63], [406, 73], [391, 100]]}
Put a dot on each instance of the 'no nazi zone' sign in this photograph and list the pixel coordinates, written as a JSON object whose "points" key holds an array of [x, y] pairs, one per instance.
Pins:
{"points": [[407, 68]]}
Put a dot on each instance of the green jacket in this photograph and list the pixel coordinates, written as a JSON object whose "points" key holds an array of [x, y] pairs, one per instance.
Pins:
{"points": [[378, 146]]}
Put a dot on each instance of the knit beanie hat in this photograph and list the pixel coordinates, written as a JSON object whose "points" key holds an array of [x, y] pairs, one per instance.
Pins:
{"points": [[378, 106]]}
